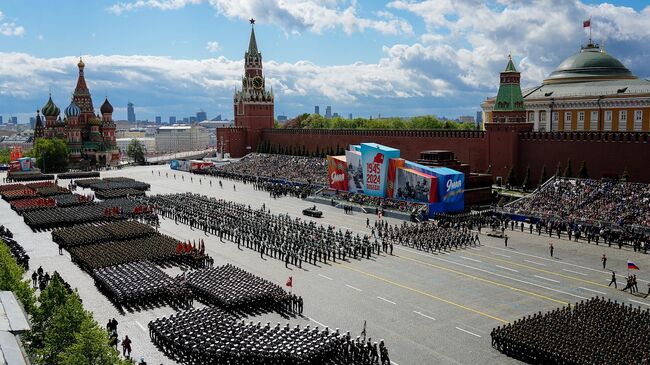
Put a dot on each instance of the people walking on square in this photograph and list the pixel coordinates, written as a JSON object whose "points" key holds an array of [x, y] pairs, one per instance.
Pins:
{"points": [[613, 281], [551, 248], [604, 260], [126, 347]]}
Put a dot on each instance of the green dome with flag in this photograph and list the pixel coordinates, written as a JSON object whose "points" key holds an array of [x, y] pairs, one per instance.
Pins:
{"points": [[591, 63]]}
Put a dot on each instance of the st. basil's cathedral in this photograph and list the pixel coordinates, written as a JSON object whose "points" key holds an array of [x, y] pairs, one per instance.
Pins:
{"points": [[90, 137]]}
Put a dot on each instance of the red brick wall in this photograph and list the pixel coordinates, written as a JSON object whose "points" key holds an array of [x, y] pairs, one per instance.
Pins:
{"points": [[235, 140], [606, 153], [468, 146]]}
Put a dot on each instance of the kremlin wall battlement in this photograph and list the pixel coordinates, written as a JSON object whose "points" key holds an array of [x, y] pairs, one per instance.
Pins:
{"points": [[512, 136]]}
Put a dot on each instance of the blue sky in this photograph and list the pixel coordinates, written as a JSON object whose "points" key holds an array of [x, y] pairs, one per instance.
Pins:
{"points": [[401, 58]]}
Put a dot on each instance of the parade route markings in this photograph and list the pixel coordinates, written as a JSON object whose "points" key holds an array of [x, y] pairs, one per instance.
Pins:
{"points": [[536, 263], [506, 268], [386, 300], [326, 277], [466, 331], [352, 287], [458, 305], [636, 301], [575, 272], [315, 321], [470, 259], [595, 291], [491, 281], [424, 315], [547, 279], [540, 270]]}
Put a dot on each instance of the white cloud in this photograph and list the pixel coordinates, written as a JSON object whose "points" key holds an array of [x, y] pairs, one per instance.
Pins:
{"points": [[10, 28], [162, 81], [122, 7], [293, 16], [471, 39], [213, 46]]}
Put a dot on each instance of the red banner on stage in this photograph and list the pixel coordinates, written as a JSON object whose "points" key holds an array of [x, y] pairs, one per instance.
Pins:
{"points": [[393, 164], [337, 172]]}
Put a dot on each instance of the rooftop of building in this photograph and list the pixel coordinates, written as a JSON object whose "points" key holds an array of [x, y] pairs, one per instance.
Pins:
{"points": [[589, 64]]}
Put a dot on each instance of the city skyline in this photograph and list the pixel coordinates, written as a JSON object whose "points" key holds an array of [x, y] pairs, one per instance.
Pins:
{"points": [[364, 57]]}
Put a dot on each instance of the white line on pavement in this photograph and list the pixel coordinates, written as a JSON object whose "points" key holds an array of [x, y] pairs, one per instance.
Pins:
{"points": [[424, 315], [636, 301], [394, 363], [543, 278], [326, 277], [351, 287], [315, 321], [497, 274], [575, 272], [500, 254], [536, 263], [470, 259], [386, 300], [466, 331], [506, 268], [141, 326], [560, 262], [595, 291]]}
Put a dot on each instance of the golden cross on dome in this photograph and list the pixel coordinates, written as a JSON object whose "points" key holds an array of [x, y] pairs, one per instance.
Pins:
{"points": [[252, 20]]}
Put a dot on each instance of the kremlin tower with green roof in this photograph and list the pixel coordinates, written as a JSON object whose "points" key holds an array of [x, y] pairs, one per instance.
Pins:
{"points": [[509, 104]]}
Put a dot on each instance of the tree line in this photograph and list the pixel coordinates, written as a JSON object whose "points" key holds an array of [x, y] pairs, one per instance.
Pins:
{"points": [[318, 121], [63, 332]]}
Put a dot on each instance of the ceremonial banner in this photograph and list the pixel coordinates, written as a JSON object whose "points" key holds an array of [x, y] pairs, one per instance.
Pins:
{"points": [[374, 158], [337, 173]]}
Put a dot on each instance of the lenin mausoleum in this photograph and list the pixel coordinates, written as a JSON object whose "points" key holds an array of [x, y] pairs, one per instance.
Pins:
{"points": [[591, 108]]}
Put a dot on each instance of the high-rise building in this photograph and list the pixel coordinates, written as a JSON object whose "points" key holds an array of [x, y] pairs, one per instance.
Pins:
{"points": [[201, 116], [350, 116], [336, 115], [32, 122], [186, 120], [328, 111], [192, 119], [282, 118], [317, 110], [218, 118], [14, 120], [479, 117], [130, 112], [172, 120], [1, 122], [158, 120]]}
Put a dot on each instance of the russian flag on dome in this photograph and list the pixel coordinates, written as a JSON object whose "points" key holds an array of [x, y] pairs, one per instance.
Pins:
{"points": [[631, 265]]}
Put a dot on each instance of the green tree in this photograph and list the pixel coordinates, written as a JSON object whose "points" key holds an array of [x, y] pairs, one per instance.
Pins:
{"points": [[62, 329], [542, 176], [511, 180], [50, 299], [558, 170], [90, 346], [5, 154], [11, 279], [51, 154], [626, 175], [135, 151], [568, 171], [582, 173], [526, 183]]}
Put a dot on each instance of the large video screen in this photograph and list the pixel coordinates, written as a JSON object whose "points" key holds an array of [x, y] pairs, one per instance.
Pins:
{"points": [[415, 186], [355, 171]]}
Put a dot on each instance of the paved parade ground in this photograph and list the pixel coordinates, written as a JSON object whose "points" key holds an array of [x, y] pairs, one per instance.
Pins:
{"points": [[428, 308]]}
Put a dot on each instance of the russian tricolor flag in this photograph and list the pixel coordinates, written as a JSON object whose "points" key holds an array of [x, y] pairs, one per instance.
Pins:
{"points": [[631, 265]]}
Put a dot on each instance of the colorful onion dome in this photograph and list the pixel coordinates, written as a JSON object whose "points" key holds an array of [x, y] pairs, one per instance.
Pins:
{"points": [[72, 110], [50, 109], [106, 108]]}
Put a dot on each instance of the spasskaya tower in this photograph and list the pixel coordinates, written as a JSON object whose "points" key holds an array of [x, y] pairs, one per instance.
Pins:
{"points": [[253, 104]]}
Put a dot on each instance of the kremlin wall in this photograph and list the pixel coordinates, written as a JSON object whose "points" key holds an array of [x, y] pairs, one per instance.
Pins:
{"points": [[514, 137]]}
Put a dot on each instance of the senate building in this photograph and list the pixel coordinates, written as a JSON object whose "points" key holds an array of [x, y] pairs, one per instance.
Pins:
{"points": [[90, 138], [589, 91]]}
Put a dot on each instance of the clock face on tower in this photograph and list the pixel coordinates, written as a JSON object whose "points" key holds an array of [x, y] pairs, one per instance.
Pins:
{"points": [[258, 82]]}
